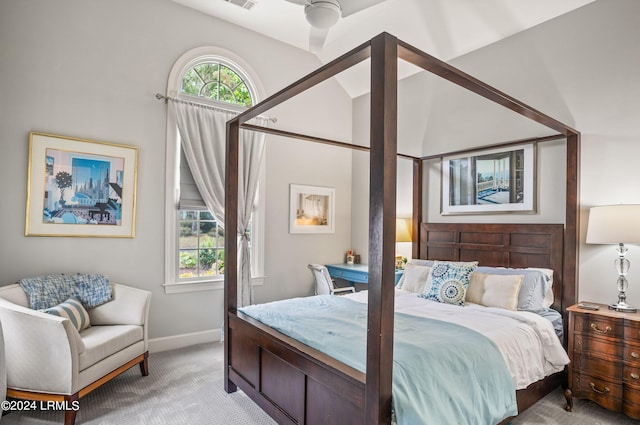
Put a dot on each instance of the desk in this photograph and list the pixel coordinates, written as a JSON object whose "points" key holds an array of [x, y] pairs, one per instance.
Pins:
{"points": [[354, 273]]}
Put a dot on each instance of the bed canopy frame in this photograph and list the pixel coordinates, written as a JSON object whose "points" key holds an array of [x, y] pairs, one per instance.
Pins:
{"points": [[249, 343]]}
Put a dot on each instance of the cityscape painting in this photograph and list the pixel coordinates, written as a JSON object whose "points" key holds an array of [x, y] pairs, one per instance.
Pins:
{"points": [[80, 188], [491, 181]]}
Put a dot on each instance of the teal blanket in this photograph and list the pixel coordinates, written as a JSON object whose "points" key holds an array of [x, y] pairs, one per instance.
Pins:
{"points": [[442, 373]]}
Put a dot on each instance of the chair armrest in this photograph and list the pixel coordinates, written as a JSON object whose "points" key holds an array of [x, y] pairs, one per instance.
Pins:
{"points": [[33, 339], [129, 306]]}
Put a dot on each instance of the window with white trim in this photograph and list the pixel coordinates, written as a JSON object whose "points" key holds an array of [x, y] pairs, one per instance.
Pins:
{"points": [[194, 253]]}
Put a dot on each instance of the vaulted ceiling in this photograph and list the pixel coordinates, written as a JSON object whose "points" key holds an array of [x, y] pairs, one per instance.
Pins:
{"points": [[443, 28]]}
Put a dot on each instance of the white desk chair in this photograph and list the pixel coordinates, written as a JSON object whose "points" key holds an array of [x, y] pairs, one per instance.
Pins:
{"points": [[325, 285]]}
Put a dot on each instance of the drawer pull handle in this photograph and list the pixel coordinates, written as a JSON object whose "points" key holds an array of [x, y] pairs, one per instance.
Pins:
{"points": [[596, 390], [600, 331], [635, 376], [635, 355]]}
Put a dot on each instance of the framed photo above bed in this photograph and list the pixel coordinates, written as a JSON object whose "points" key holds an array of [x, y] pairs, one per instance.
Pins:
{"points": [[490, 181], [311, 209], [80, 188]]}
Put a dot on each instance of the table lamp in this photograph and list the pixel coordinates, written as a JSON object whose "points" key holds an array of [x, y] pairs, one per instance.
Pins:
{"points": [[616, 224], [403, 234]]}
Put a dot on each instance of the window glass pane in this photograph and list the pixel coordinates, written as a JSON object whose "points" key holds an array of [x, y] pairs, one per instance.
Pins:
{"points": [[191, 83], [188, 263], [201, 245], [208, 71], [225, 94], [210, 91], [242, 95]]}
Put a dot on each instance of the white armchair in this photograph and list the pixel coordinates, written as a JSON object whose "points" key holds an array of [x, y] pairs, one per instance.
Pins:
{"points": [[47, 359]]}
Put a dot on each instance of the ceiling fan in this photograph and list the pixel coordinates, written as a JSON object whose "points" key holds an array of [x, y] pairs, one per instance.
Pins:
{"points": [[323, 14]]}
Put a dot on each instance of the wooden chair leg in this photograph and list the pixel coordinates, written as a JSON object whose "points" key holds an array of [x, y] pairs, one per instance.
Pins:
{"points": [[70, 417], [144, 365], [71, 406]]}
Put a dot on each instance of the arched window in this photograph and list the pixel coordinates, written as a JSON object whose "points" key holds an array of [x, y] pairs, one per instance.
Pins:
{"points": [[194, 253]]}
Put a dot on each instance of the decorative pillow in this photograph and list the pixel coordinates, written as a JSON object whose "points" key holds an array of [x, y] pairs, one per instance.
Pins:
{"points": [[494, 290], [449, 281], [415, 278], [47, 291], [92, 289], [415, 262], [536, 285], [71, 309]]}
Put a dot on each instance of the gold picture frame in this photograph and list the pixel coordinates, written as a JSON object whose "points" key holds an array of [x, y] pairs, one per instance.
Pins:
{"points": [[80, 188]]}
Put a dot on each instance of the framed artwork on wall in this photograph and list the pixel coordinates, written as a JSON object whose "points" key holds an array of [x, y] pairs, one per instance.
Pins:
{"points": [[80, 188], [311, 209], [490, 181]]}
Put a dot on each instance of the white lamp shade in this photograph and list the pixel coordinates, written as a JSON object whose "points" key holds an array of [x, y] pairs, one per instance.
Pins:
{"points": [[613, 224]]}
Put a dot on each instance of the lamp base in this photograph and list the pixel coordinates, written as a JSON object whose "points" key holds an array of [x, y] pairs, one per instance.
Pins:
{"points": [[624, 307]]}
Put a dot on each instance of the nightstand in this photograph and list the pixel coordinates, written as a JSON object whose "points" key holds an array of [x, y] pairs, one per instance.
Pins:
{"points": [[604, 348]]}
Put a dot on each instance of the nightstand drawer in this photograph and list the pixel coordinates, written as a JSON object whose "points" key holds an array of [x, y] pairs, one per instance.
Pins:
{"points": [[598, 347], [631, 375], [631, 405], [632, 355], [598, 368], [598, 326], [605, 393], [630, 408], [632, 332]]}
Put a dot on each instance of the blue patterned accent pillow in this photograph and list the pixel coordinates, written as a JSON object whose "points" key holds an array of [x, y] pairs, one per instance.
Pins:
{"points": [[47, 291], [449, 281], [92, 289]]}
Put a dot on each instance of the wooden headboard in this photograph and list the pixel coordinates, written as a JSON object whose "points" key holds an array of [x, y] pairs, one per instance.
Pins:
{"points": [[500, 245]]}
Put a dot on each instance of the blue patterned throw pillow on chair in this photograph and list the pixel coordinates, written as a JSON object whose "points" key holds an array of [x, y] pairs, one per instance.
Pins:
{"points": [[448, 281]]}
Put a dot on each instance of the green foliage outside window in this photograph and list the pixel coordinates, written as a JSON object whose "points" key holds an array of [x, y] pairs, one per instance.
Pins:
{"points": [[217, 82]]}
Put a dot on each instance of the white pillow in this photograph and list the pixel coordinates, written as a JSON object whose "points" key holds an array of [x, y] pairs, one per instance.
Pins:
{"points": [[548, 296], [414, 278], [493, 290]]}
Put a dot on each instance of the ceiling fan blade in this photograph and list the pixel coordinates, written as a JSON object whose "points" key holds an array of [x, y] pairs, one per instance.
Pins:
{"points": [[317, 37], [349, 7]]}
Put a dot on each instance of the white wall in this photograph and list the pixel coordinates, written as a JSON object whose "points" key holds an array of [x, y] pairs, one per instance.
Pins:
{"points": [[90, 69], [582, 69]]}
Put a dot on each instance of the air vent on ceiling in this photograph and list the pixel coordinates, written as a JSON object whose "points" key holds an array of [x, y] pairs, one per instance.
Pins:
{"points": [[245, 4]]}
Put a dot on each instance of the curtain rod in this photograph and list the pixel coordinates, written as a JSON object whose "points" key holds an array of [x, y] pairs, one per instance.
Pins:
{"points": [[203, 105]]}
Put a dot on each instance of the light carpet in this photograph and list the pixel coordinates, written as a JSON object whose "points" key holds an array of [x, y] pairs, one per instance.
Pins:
{"points": [[185, 386]]}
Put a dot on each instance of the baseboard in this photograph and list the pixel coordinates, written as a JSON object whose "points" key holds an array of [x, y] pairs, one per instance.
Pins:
{"points": [[157, 345]]}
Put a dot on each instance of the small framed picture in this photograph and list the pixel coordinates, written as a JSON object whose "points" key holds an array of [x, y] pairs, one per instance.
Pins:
{"points": [[311, 209]]}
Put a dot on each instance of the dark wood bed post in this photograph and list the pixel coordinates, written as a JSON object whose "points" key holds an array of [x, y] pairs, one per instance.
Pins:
{"points": [[382, 214], [230, 241], [416, 218], [572, 222]]}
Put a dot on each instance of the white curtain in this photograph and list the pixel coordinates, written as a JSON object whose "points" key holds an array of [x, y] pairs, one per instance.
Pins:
{"points": [[203, 133]]}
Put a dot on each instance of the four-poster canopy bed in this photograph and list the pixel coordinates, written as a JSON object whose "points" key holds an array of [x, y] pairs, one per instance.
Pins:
{"points": [[298, 384]]}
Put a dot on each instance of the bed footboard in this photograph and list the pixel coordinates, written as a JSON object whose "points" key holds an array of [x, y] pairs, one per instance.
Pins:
{"points": [[292, 382]]}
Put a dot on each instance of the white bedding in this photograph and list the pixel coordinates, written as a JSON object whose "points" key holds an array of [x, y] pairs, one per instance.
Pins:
{"points": [[526, 340]]}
